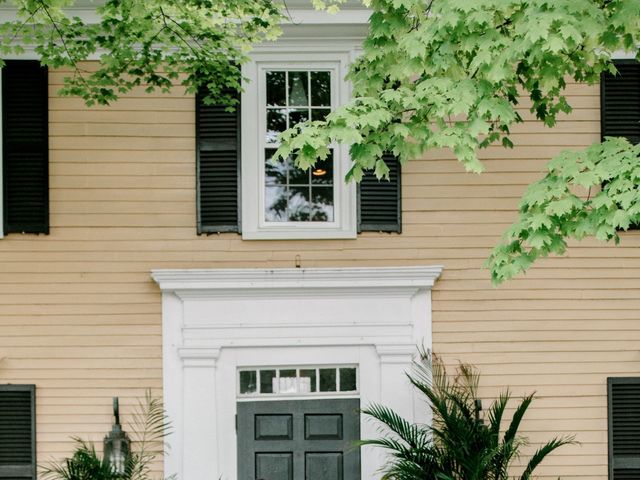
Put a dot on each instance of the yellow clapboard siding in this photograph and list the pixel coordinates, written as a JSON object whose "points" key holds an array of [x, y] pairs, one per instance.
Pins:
{"points": [[121, 130], [81, 318], [92, 115], [95, 155], [124, 169]]}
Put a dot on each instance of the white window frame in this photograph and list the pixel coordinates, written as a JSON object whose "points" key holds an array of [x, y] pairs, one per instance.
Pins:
{"points": [[253, 114]]}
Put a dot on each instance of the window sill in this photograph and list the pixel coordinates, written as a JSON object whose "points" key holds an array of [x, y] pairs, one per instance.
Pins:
{"points": [[302, 233]]}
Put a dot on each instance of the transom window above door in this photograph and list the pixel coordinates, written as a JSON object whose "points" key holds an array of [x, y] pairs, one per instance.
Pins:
{"points": [[309, 380]]}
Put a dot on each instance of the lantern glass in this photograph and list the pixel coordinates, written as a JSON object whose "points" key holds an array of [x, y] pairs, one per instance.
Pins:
{"points": [[116, 449]]}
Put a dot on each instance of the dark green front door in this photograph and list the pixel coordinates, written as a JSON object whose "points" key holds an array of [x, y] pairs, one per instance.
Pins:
{"points": [[299, 440]]}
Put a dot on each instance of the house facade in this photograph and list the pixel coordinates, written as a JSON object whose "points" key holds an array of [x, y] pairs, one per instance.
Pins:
{"points": [[152, 245]]}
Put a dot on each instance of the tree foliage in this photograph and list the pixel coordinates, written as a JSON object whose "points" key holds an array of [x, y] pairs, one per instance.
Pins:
{"points": [[152, 43], [451, 73], [458, 445], [433, 74]]}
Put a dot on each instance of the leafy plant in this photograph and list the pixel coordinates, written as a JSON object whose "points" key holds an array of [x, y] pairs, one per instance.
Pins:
{"points": [[148, 429], [85, 464], [458, 445]]}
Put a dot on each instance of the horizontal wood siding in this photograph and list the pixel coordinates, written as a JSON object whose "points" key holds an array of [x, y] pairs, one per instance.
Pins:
{"points": [[81, 318]]}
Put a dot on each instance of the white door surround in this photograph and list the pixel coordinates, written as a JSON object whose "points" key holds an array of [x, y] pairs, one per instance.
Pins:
{"points": [[216, 321]]}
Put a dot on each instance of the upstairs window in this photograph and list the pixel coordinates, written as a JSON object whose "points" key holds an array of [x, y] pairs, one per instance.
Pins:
{"points": [[241, 189], [280, 200]]}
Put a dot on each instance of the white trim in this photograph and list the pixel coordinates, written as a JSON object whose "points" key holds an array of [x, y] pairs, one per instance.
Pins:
{"points": [[297, 15], [217, 321], [1, 163], [197, 280], [336, 56], [624, 55]]}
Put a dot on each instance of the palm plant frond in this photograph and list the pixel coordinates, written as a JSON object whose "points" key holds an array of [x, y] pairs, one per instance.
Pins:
{"points": [[521, 409], [542, 452], [409, 433], [149, 427]]}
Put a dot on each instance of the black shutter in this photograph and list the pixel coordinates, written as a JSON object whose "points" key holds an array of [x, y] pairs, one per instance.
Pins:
{"points": [[17, 432], [624, 428], [25, 146], [620, 101], [218, 167], [379, 201]]}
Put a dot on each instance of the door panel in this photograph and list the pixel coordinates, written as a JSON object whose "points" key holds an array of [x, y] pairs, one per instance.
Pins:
{"points": [[299, 440]]}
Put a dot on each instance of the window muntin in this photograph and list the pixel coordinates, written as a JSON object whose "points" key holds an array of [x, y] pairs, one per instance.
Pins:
{"points": [[295, 381], [292, 194]]}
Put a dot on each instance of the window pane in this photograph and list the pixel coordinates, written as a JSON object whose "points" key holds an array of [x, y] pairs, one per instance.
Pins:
{"points": [[276, 200], [298, 86], [276, 89], [266, 380], [319, 113], [298, 116], [320, 89], [288, 382], [322, 172], [248, 382], [299, 204], [276, 123], [327, 379], [297, 176], [307, 380], [348, 379], [322, 204], [275, 173]]}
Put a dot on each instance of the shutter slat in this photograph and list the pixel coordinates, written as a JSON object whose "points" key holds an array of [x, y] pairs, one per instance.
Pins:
{"points": [[25, 146], [624, 428], [17, 427], [379, 201], [620, 97], [218, 161]]}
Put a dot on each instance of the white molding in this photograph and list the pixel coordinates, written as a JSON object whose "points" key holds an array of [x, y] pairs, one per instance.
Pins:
{"points": [[216, 321], [284, 278], [334, 55], [624, 55]]}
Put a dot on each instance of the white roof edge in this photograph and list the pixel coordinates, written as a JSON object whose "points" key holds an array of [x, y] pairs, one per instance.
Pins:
{"points": [[298, 16]]}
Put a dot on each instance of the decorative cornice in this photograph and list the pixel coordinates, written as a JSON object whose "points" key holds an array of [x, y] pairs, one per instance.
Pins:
{"points": [[296, 278], [199, 356], [396, 353]]}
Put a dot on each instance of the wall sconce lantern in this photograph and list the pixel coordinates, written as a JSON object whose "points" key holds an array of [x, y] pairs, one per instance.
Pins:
{"points": [[116, 443]]}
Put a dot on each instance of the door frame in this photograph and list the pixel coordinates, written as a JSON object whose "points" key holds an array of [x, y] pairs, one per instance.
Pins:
{"points": [[217, 321]]}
